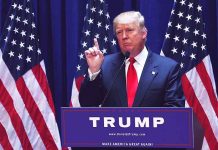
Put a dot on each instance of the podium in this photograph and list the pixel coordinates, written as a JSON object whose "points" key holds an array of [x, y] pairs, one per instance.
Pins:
{"points": [[164, 127]]}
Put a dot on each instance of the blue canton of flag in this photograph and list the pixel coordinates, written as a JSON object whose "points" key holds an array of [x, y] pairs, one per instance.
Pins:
{"points": [[185, 42], [27, 119], [96, 25]]}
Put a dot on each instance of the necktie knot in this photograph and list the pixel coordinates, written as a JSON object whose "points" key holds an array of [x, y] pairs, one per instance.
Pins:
{"points": [[132, 60]]}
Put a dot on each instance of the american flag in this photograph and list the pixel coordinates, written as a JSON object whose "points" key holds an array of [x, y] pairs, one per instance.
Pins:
{"points": [[185, 42], [96, 25], [27, 115]]}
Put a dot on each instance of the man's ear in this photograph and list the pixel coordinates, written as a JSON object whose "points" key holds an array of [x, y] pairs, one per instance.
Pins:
{"points": [[144, 30]]}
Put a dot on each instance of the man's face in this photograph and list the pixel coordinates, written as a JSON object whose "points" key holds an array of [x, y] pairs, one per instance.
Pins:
{"points": [[131, 37]]}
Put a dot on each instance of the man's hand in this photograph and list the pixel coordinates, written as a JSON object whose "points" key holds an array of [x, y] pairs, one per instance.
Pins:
{"points": [[94, 57]]}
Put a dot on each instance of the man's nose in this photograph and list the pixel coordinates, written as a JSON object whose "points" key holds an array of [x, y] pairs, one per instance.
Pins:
{"points": [[124, 35]]}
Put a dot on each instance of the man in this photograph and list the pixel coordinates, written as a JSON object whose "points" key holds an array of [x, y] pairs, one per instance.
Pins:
{"points": [[145, 79]]}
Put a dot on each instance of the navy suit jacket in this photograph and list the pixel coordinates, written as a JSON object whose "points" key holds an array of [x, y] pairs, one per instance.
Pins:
{"points": [[159, 85]]}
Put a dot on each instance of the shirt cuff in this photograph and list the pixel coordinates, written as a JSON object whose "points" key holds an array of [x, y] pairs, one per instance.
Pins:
{"points": [[92, 76]]}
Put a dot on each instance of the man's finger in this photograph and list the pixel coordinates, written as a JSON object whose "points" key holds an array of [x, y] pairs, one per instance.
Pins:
{"points": [[96, 43]]}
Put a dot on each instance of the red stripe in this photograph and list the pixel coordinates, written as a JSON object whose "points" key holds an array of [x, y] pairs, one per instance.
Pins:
{"points": [[43, 83], [194, 103], [205, 78], [7, 102], [79, 81], [4, 141], [36, 115]]}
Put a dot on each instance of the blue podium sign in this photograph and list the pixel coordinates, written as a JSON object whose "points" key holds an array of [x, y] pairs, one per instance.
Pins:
{"points": [[127, 127]]}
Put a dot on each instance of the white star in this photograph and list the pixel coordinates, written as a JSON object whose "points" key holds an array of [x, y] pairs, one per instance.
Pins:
{"points": [[11, 53], [84, 44], [14, 5], [197, 20], [100, 12], [30, 48], [15, 30], [189, 17], [90, 20], [203, 47], [13, 42], [204, 36], [20, 56], [167, 36], [174, 50], [9, 28], [33, 25], [182, 2], [180, 14], [102, 1], [99, 24], [39, 51], [199, 8], [18, 19], [25, 21], [113, 42], [192, 56], [196, 32], [181, 65], [104, 50], [176, 38], [11, 16], [32, 36], [172, 12], [107, 15], [105, 39], [23, 33], [190, 5], [6, 39], [87, 32], [97, 36], [21, 44], [81, 56], [93, 9], [178, 26], [186, 29], [78, 67], [27, 10], [107, 27], [18, 67], [28, 59], [183, 53], [170, 24], [184, 41], [194, 44], [20, 7]]}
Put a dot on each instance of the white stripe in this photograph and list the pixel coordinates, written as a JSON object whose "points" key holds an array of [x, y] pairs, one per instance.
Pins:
{"points": [[6, 123], [27, 121], [209, 69], [43, 105], [75, 95], [203, 98], [205, 145], [43, 66]]}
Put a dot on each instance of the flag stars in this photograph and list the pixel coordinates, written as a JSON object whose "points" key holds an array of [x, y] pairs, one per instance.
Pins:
{"points": [[30, 48], [39, 51], [18, 19], [176, 38], [107, 27], [182, 2], [170, 24], [181, 65], [193, 56], [81, 56], [28, 59], [97, 36], [6, 39], [13, 42], [102, 1], [107, 15], [178, 26], [184, 41], [189, 17], [32, 36], [11, 53], [18, 67], [23, 33], [9, 28], [27, 10], [15, 30], [105, 39], [104, 50], [174, 50], [33, 25], [20, 7], [167, 36], [194, 44], [11, 16], [113, 42], [173, 12], [20, 56], [90, 21], [21, 44], [199, 8], [100, 12], [183, 53], [204, 36], [180, 14], [25, 22], [78, 67], [190, 5], [87, 32], [196, 32], [14, 5], [93, 9], [99, 24], [186, 29], [84, 44], [197, 20], [203, 47]]}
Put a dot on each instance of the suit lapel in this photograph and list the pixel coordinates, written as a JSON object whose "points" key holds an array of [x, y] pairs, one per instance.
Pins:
{"points": [[148, 74]]}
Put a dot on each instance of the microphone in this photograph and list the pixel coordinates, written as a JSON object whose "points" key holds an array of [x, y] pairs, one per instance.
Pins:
{"points": [[126, 55]]}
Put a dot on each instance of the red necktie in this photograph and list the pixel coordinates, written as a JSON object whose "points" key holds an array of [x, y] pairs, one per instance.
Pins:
{"points": [[132, 82]]}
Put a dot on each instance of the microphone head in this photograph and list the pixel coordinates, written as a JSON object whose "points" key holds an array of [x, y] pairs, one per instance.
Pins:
{"points": [[127, 54]]}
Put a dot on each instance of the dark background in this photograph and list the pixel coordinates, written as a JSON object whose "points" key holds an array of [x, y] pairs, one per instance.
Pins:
{"points": [[60, 24]]}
